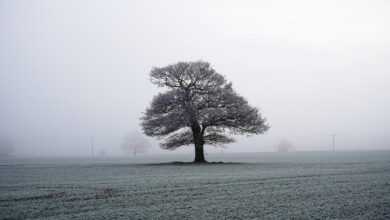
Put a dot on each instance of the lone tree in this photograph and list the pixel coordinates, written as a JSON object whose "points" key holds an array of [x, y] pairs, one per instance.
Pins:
{"points": [[199, 107]]}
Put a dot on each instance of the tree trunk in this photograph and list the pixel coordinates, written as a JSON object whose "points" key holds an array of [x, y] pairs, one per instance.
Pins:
{"points": [[199, 154], [199, 143]]}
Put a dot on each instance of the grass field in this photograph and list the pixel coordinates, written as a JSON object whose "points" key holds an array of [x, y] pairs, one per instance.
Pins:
{"points": [[312, 185]]}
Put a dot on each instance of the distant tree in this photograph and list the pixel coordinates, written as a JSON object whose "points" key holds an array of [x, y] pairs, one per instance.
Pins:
{"points": [[134, 143], [199, 107], [6, 147], [285, 146], [102, 153]]}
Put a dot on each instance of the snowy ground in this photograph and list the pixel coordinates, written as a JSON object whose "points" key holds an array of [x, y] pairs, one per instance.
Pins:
{"points": [[349, 185]]}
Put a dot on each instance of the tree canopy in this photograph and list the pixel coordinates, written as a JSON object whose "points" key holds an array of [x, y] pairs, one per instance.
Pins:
{"points": [[199, 107]]}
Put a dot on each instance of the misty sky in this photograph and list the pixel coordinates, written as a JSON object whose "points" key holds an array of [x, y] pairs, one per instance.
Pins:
{"points": [[71, 70]]}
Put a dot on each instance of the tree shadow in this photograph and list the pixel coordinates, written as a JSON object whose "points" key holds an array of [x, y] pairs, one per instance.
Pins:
{"points": [[180, 163]]}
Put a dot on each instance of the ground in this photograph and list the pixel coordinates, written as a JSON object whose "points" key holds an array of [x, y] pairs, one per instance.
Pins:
{"points": [[317, 185]]}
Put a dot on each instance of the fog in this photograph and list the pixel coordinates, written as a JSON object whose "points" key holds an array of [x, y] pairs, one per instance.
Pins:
{"points": [[75, 70]]}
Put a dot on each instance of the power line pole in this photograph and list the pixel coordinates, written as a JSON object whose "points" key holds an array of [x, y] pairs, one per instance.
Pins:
{"points": [[92, 147], [334, 142]]}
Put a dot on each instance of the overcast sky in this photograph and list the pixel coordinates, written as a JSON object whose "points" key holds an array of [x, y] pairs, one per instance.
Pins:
{"points": [[71, 70]]}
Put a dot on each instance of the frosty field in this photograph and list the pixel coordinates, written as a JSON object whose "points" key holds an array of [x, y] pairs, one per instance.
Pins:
{"points": [[312, 185]]}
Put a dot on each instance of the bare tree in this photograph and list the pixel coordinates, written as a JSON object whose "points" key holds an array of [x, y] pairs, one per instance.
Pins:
{"points": [[134, 143], [199, 107]]}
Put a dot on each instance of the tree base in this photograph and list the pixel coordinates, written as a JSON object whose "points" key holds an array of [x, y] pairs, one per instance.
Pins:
{"points": [[180, 163], [199, 161]]}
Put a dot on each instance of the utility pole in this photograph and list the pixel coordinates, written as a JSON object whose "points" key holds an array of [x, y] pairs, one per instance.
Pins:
{"points": [[92, 146], [334, 142]]}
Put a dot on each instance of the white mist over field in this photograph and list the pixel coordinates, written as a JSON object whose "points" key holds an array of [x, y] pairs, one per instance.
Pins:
{"points": [[76, 71]]}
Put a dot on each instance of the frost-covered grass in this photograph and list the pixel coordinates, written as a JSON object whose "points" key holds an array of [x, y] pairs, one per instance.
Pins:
{"points": [[349, 185]]}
